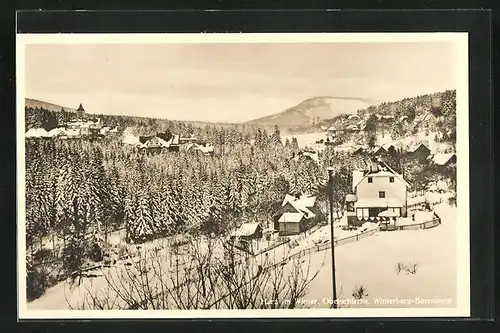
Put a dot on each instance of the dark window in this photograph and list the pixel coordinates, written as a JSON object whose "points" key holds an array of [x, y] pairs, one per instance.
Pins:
{"points": [[370, 179], [391, 179], [381, 194]]}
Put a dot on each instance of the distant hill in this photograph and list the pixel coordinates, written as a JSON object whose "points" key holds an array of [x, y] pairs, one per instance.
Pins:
{"points": [[312, 111], [34, 103]]}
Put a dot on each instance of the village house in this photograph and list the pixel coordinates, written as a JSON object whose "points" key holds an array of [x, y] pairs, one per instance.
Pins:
{"points": [[187, 139], [205, 149], [248, 232], [444, 160], [57, 132], [245, 236], [37, 133], [306, 155], [173, 144], [334, 131], [392, 148], [297, 214], [379, 151], [70, 134], [152, 144], [379, 193], [352, 128], [419, 152]]}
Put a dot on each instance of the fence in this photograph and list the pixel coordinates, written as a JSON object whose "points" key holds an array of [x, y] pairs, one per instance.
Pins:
{"points": [[327, 245]]}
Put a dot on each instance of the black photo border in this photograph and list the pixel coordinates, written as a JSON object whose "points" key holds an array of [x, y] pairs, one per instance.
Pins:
{"points": [[476, 22]]}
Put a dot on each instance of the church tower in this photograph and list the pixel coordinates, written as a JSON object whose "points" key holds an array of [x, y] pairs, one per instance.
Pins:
{"points": [[80, 111]]}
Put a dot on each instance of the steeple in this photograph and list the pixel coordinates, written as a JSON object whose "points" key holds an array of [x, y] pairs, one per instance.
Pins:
{"points": [[80, 111]]}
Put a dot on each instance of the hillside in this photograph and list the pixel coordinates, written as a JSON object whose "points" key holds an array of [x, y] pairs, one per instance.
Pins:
{"points": [[34, 103], [432, 116], [312, 111]]}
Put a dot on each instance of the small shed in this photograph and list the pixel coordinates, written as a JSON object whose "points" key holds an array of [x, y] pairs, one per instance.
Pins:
{"points": [[443, 160], [419, 151], [249, 231]]}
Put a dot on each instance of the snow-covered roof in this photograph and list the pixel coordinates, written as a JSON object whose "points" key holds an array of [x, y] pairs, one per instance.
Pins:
{"points": [[393, 144], [442, 159], [37, 133], [388, 213], [416, 146], [357, 177], [312, 155], [378, 148], [72, 132], [247, 229], [301, 204], [207, 149], [291, 217], [57, 131], [385, 171]]}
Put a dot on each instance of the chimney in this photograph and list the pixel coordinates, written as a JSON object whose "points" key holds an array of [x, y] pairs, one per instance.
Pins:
{"points": [[374, 166]]}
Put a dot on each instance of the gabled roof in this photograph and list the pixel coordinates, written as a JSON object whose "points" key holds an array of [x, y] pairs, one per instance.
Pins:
{"points": [[358, 176], [416, 147], [72, 132], [155, 141], [442, 159], [80, 108], [301, 205], [37, 133], [206, 149], [57, 131], [247, 229], [312, 155]]}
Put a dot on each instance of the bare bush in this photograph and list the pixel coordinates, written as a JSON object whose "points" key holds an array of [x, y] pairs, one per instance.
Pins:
{"points": [[359, 292], [409, 268], [215, 276]]}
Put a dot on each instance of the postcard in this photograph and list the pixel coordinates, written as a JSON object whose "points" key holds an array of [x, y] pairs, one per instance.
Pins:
{"points": [[314, 175]]}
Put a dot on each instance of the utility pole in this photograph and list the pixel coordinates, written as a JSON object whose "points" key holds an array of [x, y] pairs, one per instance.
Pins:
{"points": [[330, 195]]}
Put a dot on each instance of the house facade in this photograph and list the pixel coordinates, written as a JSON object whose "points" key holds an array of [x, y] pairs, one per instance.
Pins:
{"points": [[379, 193]]}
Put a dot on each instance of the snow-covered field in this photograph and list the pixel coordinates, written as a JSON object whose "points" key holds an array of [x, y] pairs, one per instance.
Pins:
{"points": [[372, 263]]}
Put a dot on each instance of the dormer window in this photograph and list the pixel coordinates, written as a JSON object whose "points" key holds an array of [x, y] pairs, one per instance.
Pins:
{"points": [[370, 180], [391, 179]]}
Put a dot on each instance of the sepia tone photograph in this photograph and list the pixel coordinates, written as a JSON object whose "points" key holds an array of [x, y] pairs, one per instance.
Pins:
{"points": [[242, 175]]}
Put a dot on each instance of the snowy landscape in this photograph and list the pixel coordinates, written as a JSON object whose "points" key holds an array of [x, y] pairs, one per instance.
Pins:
{"points": [[126, 212]]}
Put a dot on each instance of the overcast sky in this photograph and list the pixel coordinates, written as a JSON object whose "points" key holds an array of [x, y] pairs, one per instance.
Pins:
{"points": [[230, 82]]}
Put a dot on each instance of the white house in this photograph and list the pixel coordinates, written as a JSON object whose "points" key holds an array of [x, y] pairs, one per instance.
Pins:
{"points": [[378, 192]]}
